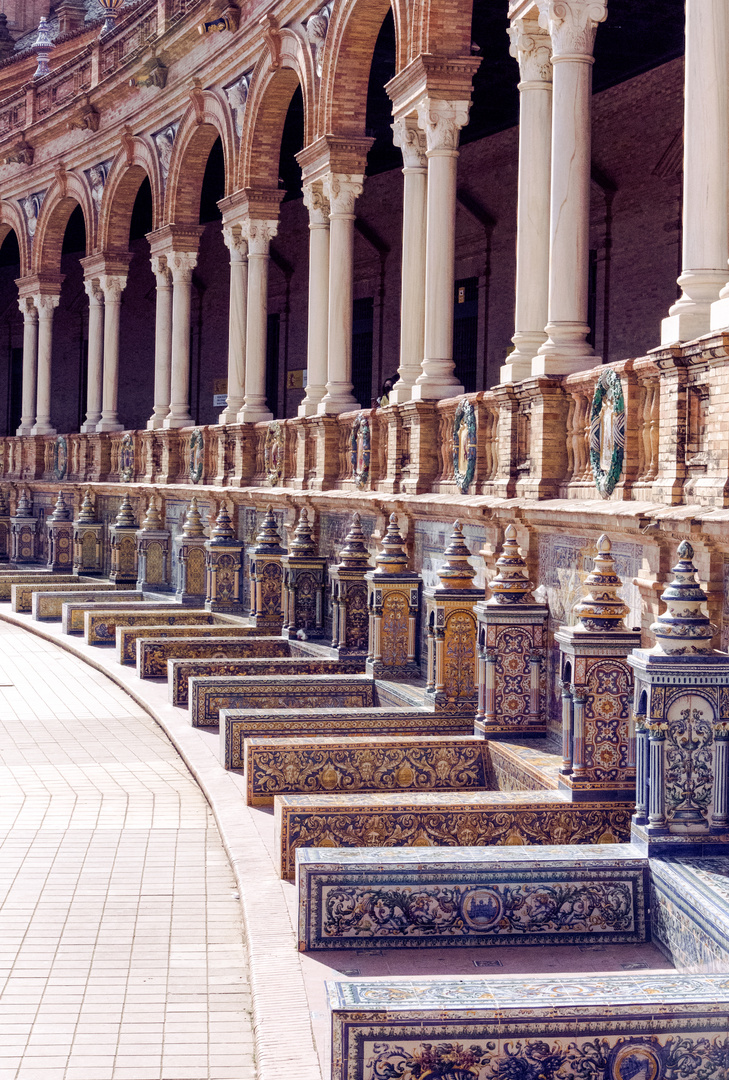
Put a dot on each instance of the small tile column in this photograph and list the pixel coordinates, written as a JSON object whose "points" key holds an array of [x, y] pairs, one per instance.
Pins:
{"points": [[24, 532], [224, 567], [572, 25], [112, 286], [94, 380], [317, 351], [642, 752], [393, 602], [188, 551], [60, 537], [267, 577], [411, 140], [4, 527], [153, 551], [162, 342], [259, 233], [30, 363], [87, 539], [350, 618], [46, 304], [123, 543], [304, 577], [237, 246]]}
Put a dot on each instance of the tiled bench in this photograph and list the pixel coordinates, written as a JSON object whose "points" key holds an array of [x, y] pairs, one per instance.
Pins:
{"points": [[49, 605], [602, 1027], [100, 626], [180, 671], [287, 766], [690, 911], [237, 725], [525, 765], [395, 897], [441, 819], [208, 694], [21, 594], [153, 664], [8, 578], [154, 654]]}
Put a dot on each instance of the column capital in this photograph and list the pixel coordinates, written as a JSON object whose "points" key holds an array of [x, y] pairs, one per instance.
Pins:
{"points": [[181, 265], [442, 122], [27, 308], [317, 203], [531, 46], [411, 139], [248, 203], [112, 286], [342, 190], [46, 303], [572, 25], [259, 233], [93, 290], [235, 241], [106, 262], [333, 154], [45, 284], [175, 238], [161, 271]]}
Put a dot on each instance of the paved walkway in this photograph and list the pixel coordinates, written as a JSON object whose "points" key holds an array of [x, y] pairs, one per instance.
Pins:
{"points": [[121, 942]]}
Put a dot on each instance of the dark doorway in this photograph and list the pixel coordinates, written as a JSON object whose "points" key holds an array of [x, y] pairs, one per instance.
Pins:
{"points": [[363, 314], [465, 332], [273, 338]]}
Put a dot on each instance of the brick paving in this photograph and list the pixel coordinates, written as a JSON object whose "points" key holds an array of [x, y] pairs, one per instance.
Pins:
{"points": [[121, 941]]}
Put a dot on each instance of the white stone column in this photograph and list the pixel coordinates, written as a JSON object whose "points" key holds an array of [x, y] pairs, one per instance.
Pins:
{"points": [[94, 366], [442, 122], [532, 47], [46, 304], [572, 25], [317, 351], [238, 247], [260, 232], [30, 363], [342, 190], [411, 140], [181, 264], [112, 286], [162, 342]]}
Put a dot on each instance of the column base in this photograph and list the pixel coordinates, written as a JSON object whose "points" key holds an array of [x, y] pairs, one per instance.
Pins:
{"points": [[229, 415], [42, 428], [401, 392], [554, 364], [515, 370], [177, 422], [109, 425], [90, 425], [434, 389], [26, 427], [687, 325], [719, 315], [334, 406], [314, 397], [691, 315], [254, 414], [157, 420]]}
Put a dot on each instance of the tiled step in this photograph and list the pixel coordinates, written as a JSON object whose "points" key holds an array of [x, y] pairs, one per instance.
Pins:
{"points": [[237, 725], [434, 819], [49, 605], [8, 578], [153, 664], [208, 694], [690, 911], [179, 671], [412, 897], [349, 764], [612, 1027]]}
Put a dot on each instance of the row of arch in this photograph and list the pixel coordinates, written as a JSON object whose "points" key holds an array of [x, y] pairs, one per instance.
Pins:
{"points": [[332, 106]]}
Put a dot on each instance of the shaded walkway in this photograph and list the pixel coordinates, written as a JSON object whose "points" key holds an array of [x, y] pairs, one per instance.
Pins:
{"points": [[121, 952]]}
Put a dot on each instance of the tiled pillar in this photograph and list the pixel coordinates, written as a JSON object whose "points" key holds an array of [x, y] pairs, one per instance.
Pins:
{"points": [[30, 363], [162, 342], [112, 286], [317, 351], [572, 25], [411, 140], [95, 355], [238, 247], [259, 232], [46, 304]]}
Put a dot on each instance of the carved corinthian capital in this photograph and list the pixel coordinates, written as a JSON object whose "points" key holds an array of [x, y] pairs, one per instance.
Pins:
{"points": [[442, 122], [572, 25], [93, 290], [407, 135], [161, 271], [260, 232], [112, 286], [342, 190], [182, 264], [27, 308], [531, 45], [316, 203], [236, 242]]}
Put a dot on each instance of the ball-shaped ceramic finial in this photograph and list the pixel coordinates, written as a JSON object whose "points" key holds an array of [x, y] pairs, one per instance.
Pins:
{"points": [[456, 572], [511, 584], [61, 512], [193, 526], [601, 608], [354, 554], [393, 557], [302, 542], [86, 513], [684, 628]]}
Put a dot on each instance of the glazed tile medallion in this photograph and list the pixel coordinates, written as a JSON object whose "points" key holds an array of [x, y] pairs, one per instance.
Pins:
{"points": [[208, 694], [180, 671]]}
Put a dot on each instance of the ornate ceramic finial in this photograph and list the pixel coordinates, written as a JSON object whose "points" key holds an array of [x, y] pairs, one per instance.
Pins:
{"points": [[269, 537], [684, 627], [354, 553], [303, 542], [153, 519], [193, 526], [24, 508], [4, 507], [222, 531], [86, 512], [393, 557], [456, 572], [601, 608], [511, 584], [61, 512], [125, 517], [42, 47]]}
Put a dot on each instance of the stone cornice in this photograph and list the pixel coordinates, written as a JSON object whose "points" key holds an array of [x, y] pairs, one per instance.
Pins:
{"points": [[175, 238], [251, 203], [45, 284], [106, 262]]}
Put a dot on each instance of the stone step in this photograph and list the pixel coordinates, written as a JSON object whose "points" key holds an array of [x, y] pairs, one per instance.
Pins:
{"points": [[49, 605], [442, 819], [128, 636], [8, 578], [208, 694], [179, 671], [464, 896], [690, 911], [619, 1026], [286, 766], [237, 725]]}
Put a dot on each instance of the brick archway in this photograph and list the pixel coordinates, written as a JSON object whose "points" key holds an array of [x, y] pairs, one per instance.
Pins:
{"points": [[127, 173], [61, 200], [207, 119], [12, 220]]}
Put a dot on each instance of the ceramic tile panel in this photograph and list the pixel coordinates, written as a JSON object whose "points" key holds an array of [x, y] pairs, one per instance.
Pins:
{"points": [[179, 671], [287, 766], [442, 819], [100, 625], [207, 626], [208, 695], [153, 654], [73, 612], [237, 725], [8, 578], [21, 593], [49, 605], [483, 901], [690, 905]]}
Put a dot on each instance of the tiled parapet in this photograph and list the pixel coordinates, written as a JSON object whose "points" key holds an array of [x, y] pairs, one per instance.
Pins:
{"points": [[612, 1027], [88, 539], [153, 550], [350, 618], [237, 725], [288, 766], [188, 552], [123, 543], [405, 897], [208, 694], [224, 567], [179, 671], [25, 539], [48, 605], [21, 593], [459, 819], [267, 576], [8, 578], [690, 911], [206, 625]]}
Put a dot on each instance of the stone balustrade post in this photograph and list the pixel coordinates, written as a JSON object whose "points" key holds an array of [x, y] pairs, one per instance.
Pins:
{"points": [[95, 365], [317, 203], [237, 245], [411, 140]]}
